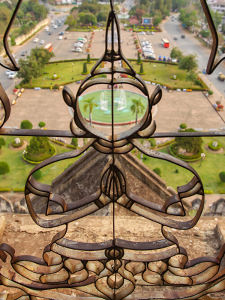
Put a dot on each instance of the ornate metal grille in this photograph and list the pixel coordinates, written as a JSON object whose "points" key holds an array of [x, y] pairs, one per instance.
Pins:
{"points": [[117, 268]]}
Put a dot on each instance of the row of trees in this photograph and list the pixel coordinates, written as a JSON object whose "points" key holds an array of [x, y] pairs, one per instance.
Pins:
{"points": [[187, 62], [29, 14], [157, 9], [89, 13], [32, 65]]}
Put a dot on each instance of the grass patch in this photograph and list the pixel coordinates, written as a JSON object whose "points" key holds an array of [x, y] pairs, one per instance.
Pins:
{"points": [[208, 169], [163, 74], [19, 169], [67, 72], [71, 71]]}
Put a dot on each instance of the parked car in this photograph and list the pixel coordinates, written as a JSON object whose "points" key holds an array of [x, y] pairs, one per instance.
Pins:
{"points": [[61, 33], [12, 75], [36, 40], [42, 42], [175, 38], [60, 37], [183, 36], [77, 50], [24, 53], [8, 72], [221, 76]]}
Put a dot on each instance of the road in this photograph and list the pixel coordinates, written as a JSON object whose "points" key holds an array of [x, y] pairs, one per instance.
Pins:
{"points": [[190, 45], [42, 35]]}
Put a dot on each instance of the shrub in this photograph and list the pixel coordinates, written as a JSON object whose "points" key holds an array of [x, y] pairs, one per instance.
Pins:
{"points": [[37, 175], [212, 146], [141, 69], [39, 149], [152, 142], [74, 142], [88, 59], [2, 142], [55, 87], [183, 126], [84, 68], [16, 144], [26, 124], [210, 92], [222, 176], [41, 124], [4, 168], [157, 171]]}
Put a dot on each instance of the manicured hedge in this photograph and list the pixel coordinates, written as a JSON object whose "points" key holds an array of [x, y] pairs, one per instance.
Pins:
{"points": [[191, 158]]}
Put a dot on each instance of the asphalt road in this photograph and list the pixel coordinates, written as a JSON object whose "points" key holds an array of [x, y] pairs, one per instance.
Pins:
{"points": [[189, 45], [26, 48]]}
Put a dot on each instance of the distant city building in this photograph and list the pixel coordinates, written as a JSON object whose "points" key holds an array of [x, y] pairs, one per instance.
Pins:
{"points": [[217, 5]]}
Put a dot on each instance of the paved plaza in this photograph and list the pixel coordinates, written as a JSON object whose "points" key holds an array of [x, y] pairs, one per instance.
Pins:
{"points": [[175, 108]]}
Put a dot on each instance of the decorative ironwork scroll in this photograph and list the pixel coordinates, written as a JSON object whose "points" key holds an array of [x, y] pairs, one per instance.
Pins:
{"points": [[116, 268], [212, 64]]}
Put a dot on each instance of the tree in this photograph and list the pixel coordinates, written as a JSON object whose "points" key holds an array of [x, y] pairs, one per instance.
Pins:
{"points": [[176, 53], [4, 168], [88, 58], [141, 69], [2, 142], [89, 105], [156, 20], [70, 21], [86, 18], [188, 17], [26, 124], [84, 68], [139, 59], [222, 176], [39, 149], [190, 144], [188, 63], [217, 18], [136, 108], [32, 66], [42, 56], [41, 124], [102, 16], [74, 142]]}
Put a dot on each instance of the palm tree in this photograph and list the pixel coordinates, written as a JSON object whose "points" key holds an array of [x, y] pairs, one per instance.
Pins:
{"points": [[137, 107], [89, 105]]}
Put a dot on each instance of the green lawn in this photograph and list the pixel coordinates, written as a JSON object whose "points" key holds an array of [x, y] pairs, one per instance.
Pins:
{"points": [[71, 71], [208, 169], [163, 74], [66, 71], [19, 169]]}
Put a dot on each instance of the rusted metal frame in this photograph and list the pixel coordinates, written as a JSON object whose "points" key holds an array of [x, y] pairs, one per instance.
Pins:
{"points": [[66, 133], [5, 40], [6, 105], [211, 66], [159, 216]]}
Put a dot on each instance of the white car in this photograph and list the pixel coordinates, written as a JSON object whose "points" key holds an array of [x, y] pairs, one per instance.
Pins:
{"points": [[55, 26], [77, 50], [36, 40], [12, 75], [47, 28], [79, 45], [60, 37], [8, 72], [42, 42]]}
